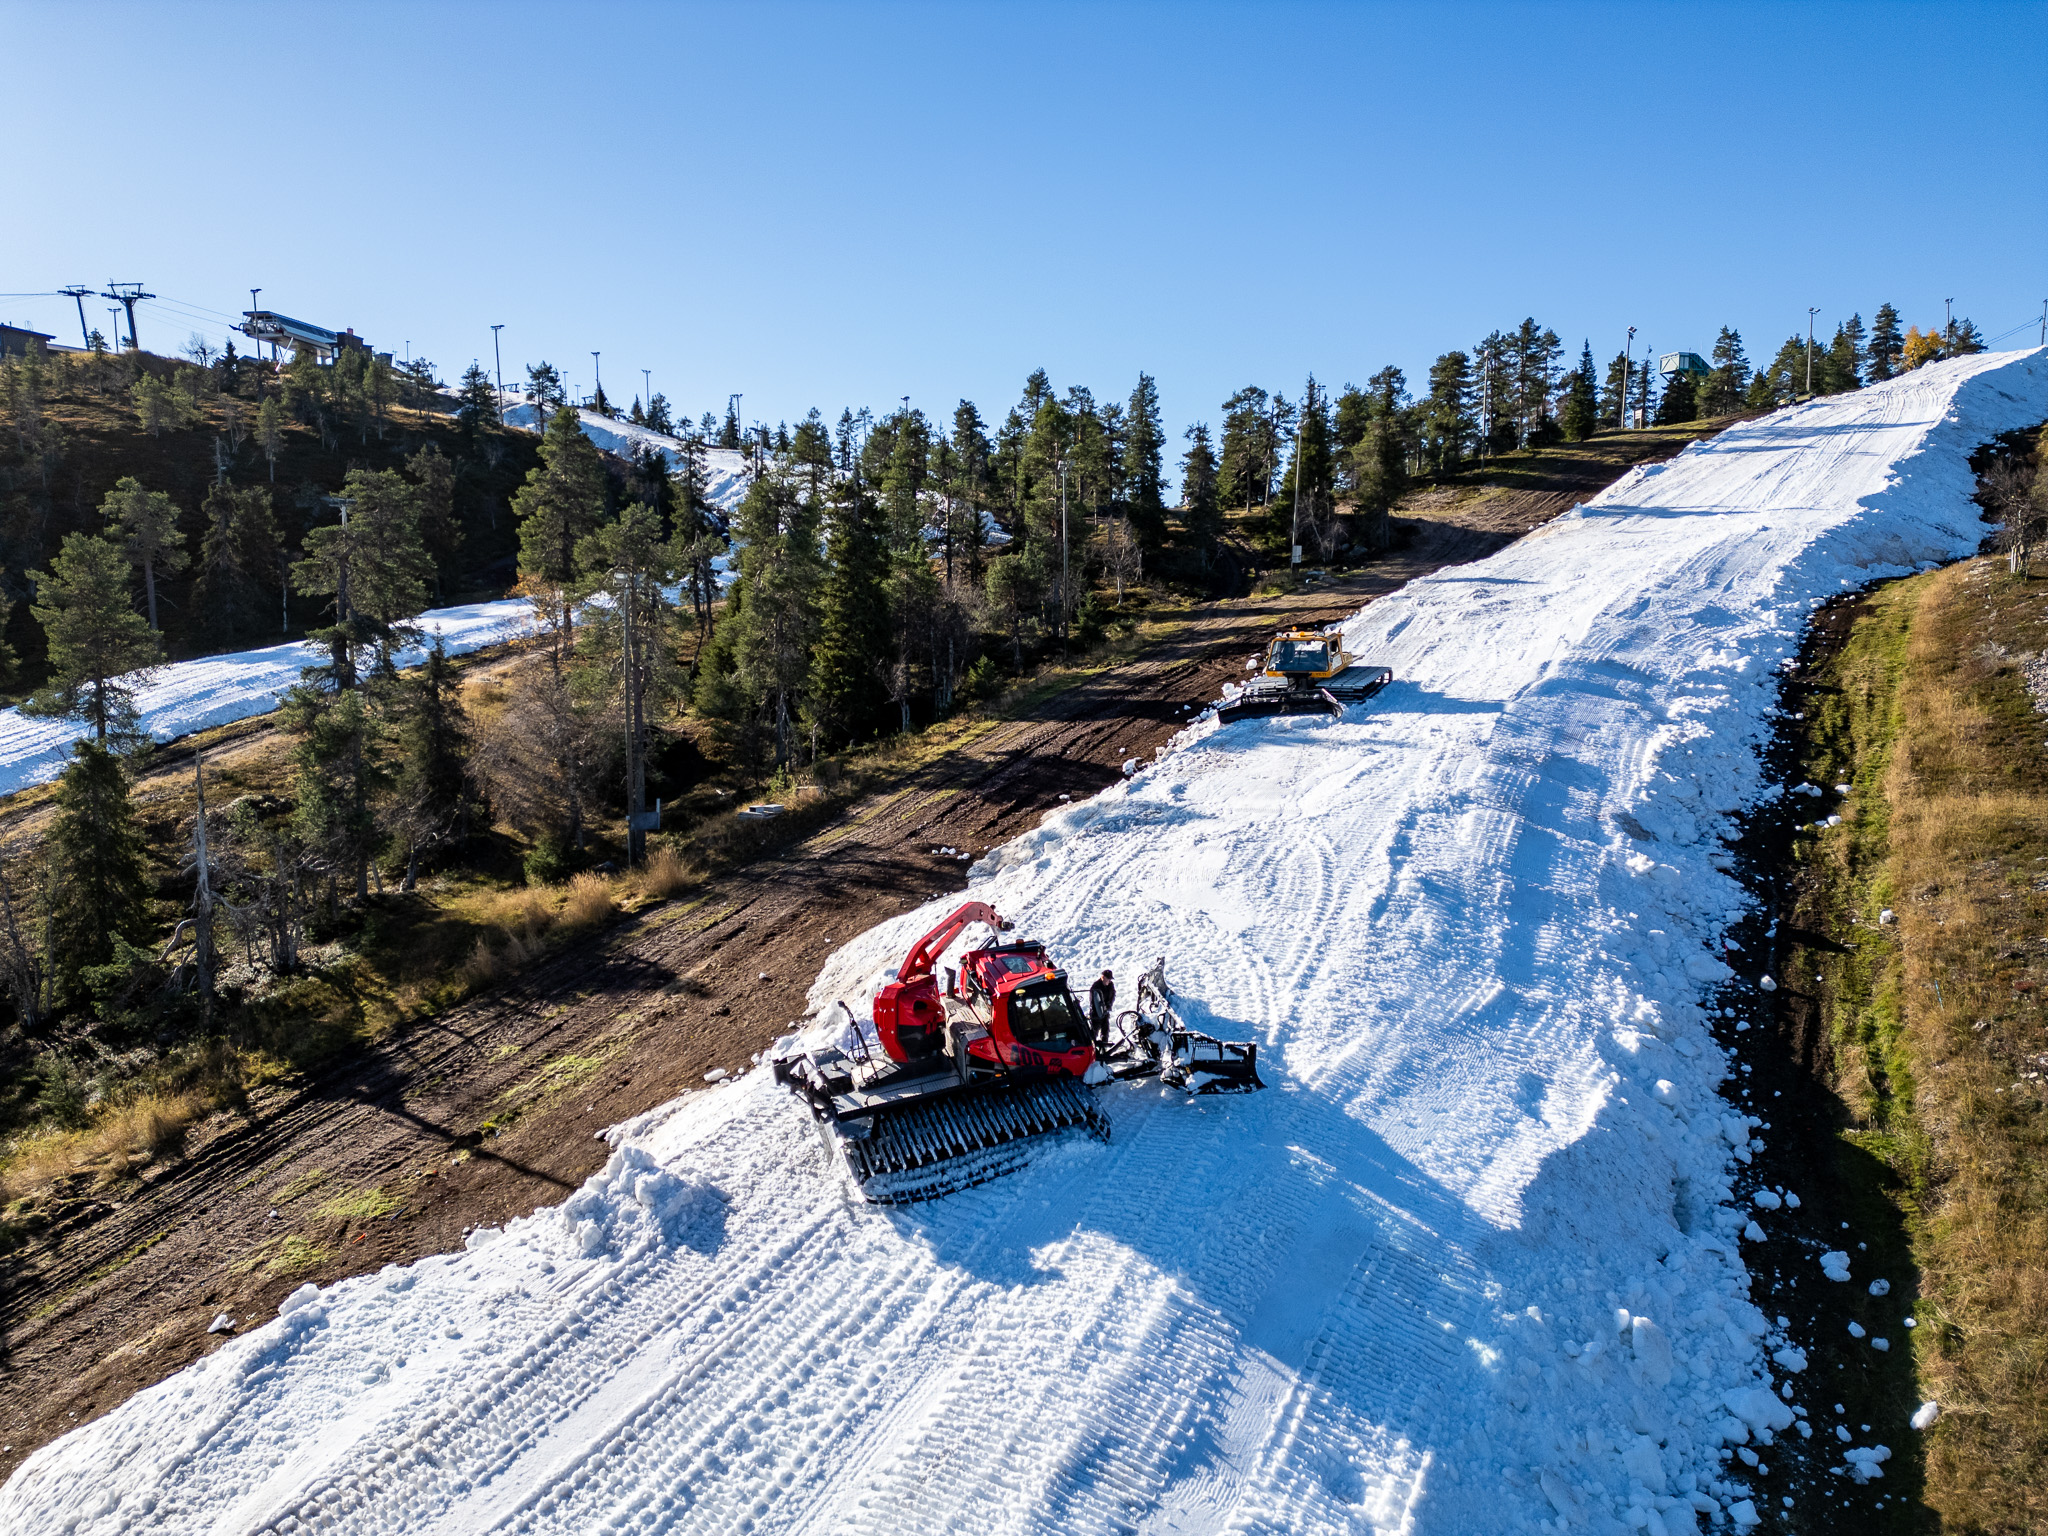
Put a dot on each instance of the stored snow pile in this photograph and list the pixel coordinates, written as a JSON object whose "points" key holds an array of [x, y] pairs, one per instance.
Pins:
{"points": [[1470, 1264], [213, 690]]}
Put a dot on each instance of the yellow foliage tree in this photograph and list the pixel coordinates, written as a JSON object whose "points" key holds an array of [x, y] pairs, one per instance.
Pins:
{"points": [[1921, 347]]}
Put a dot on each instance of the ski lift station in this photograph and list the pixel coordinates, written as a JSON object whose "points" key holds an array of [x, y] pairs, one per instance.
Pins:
{"points": [[287, 334], [1682, 362]]}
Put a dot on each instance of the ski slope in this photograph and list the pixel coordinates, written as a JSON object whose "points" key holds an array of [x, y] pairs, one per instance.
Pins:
{"points": [[189, 696], [726, 475], [186, 696], [1470, 1264]]}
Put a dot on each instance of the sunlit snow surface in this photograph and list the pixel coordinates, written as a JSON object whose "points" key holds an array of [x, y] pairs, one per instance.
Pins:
{"points": [[1466, 1266]]}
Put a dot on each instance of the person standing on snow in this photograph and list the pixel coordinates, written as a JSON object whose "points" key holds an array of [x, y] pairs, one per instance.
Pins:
{"points": [[1101, 998]]}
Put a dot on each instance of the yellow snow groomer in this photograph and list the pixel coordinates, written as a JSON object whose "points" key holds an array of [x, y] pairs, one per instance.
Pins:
{"points": [[1306, 672]]}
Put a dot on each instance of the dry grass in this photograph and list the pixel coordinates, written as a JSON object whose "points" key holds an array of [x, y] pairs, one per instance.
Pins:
{"points": [[123, 1139], [1969, 843], [1940, 1036]]}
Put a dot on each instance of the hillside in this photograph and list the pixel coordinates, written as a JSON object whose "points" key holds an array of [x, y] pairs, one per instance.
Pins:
{"points": [[1475, 1261], [79, 431]]}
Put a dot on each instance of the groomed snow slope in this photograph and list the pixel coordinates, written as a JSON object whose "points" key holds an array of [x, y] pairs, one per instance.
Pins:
{"points": [[726, 477], [1470, 1264], [188, 696]]}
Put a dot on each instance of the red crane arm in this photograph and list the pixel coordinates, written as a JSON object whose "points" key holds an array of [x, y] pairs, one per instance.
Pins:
{"points": [[926, 951]]}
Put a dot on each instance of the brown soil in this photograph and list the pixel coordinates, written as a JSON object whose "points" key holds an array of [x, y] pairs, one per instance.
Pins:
{"points": [[492, 1109]]}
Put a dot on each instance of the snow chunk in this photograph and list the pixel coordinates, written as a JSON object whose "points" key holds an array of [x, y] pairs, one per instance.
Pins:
{"points": [[1855, 1329], [1835, 1264], [1925, 1415], [1791, 1358], [1758, 1407], [1766, 1200], [1864, 1461], [1653, 1353], [1880, 1287], [304, 1296], [1767, 984]]}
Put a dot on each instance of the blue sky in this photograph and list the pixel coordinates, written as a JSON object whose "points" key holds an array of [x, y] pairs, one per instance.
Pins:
{"points": [[845, 204]]}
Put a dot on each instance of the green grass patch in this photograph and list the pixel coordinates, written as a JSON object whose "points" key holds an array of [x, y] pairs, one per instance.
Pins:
{"points": [[360, 1205]]}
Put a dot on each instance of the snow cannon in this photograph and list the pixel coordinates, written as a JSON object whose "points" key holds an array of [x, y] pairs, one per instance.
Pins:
{"points": [[1305, 672]]}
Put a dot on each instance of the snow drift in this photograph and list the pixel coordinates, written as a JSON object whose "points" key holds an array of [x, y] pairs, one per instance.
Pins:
{"points": [[1471, 1264]]}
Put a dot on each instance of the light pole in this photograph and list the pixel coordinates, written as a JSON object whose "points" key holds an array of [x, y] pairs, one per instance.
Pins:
{"points": [[1948, 323], [1064, 564], [497, 358], [597, 399], [1811, 311], [1628, 356], [647, 390]]}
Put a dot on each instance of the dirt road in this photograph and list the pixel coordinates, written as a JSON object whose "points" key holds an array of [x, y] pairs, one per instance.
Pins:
{"points": [[482, 1114]]}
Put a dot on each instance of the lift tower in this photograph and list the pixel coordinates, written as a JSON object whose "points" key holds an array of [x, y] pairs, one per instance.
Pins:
{"points": [[78, 292], [128, 295]]}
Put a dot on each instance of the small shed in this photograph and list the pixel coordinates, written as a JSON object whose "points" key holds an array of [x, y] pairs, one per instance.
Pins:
{"points": [[1682, 362], [14, 340]]}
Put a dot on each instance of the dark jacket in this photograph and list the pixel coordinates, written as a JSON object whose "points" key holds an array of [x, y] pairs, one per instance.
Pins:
{"points": [[1101, 998]]}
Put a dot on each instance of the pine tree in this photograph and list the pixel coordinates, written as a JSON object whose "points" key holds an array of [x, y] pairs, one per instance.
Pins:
{"points": [[1494, 364], [1726, 384], [1201, 516], [1376, 468], [433, 481], [98, 889], [778, 535], [270, 433], [435, 797], [658, 417], [1836, 369], [373, 566], [1305, 509], [1579, 415], [1448, 423], [99, 647], [1963, 339], [628, 561], [1620, 374], [729, 434], [238, 561], [1012, 589], [147, 525], [561, 501], [1887, 344], [478, 408], [1246, 465], [337, 777], [970, 460], [1680, 402], [544, 384], [1144, 446], [1532, 354], [9, 662]]}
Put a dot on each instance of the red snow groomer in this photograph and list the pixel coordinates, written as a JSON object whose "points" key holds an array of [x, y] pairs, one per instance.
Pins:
{"points": [[946, 1088]]}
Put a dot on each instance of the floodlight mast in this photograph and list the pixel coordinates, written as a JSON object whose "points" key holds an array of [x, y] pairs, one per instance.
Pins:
{"points": [[1628, 356]]}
